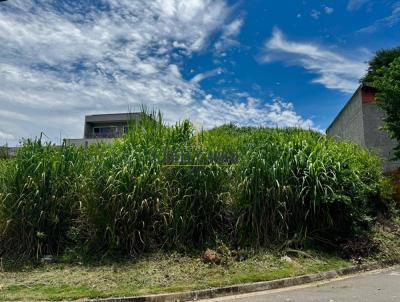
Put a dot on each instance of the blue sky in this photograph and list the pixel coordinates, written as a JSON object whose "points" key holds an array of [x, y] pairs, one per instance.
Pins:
{"points": [[254, 62]]}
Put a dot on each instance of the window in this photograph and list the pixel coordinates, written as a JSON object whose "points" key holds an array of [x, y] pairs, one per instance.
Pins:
{"points": [[104, 131]]}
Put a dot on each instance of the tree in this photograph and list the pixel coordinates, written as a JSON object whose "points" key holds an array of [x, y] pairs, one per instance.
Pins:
{"points": [[386, 79], [383, 58]]}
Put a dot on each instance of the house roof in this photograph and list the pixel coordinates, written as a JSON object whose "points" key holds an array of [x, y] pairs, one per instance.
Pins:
{"points": [[112, 117]]}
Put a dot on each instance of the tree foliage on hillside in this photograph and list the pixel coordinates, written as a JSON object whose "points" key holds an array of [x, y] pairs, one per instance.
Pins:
{"points": [[384, 75], [383, 58], [388, 97]]}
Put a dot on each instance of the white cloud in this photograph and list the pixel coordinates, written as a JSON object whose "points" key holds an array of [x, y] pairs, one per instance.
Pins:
{"points": [[229, 34], [201, 76], [328, 10], [356, 4], [18, 116], [315, 14], [251, 112], [6, 136], [334, 70], [60, 61], [387, 22]]}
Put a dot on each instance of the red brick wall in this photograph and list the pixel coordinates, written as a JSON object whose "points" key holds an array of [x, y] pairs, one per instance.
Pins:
{"points": [[368, 95]]}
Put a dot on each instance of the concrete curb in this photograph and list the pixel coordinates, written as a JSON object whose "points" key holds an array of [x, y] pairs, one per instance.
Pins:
{"points": [[250, 287]]}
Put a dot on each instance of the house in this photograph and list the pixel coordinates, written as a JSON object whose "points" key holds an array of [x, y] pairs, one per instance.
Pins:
{"points": [[105, 128], [361, 122]]}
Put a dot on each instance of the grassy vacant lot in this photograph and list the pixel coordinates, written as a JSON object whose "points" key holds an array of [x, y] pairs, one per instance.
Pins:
{"points": [[171, 188], [152, 274]]}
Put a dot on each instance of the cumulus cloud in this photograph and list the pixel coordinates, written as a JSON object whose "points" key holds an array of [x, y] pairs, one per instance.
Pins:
{"points": [[334, 71], [60, 60], [250, 111]]}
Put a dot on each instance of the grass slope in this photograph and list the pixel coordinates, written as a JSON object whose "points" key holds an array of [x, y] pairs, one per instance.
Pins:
{"points": [[285, 188], [157, 273]]}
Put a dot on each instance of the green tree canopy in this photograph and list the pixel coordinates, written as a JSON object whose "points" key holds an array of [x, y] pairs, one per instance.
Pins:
{"points": [[386, 80], [383, 58]]}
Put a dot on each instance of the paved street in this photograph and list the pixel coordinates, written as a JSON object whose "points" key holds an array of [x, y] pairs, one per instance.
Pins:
{"points": [[377, 286]]}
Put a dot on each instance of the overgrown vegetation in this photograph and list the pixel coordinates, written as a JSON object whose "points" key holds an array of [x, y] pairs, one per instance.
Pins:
{"points": [[384, 75], [3, 152], [376, 66], [388, 98], [172, 188]]}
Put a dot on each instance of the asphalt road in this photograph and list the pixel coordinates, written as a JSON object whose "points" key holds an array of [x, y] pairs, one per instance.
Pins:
{"points": [[376, 286]]}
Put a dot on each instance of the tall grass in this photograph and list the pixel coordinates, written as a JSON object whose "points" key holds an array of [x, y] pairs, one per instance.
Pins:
{"points": [[279, 186], [296, 184], [121, 200], [4, 152], [38, 199], [197, 203]]}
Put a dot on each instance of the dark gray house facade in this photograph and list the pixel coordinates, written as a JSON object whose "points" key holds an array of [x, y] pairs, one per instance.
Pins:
{"points": [[109, 125], [361, 121], [105, 128]]}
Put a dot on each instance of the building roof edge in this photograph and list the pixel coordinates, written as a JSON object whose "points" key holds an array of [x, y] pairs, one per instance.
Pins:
{"points": [[347, 104]]}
